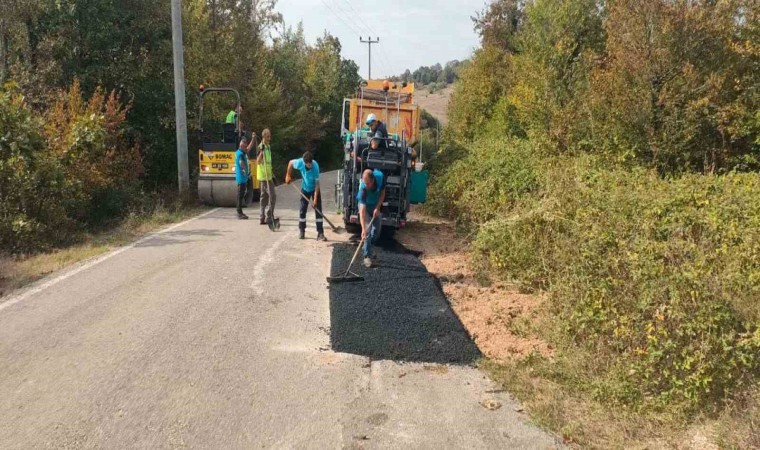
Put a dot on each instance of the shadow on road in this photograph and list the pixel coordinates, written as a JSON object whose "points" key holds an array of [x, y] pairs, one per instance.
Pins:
{"points": [[399, 312], [177, 237]]}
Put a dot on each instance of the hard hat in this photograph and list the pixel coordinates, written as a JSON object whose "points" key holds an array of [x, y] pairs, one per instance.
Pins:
{"points": [[371, 118]]}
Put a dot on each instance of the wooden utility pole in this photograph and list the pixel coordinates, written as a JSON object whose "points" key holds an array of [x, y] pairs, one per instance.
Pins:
{"points": [[183, 170], [369, 43]]}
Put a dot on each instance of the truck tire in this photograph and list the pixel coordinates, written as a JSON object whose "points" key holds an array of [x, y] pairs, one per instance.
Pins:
{"points": [[387, 233], [352, 228]]}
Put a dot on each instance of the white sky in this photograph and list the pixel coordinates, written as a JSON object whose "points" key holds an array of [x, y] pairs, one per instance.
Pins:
{"points": [[410, 35]]}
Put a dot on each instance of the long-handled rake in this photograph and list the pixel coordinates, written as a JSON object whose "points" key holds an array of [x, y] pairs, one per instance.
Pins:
{"points": [[345, 278], [336, 230]]}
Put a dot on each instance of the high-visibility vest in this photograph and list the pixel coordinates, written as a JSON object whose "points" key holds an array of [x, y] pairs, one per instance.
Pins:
{"points": [[264, 170], [231, 117]]}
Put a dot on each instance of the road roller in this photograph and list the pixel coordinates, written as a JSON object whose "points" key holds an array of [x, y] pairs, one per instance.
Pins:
{"points": [[216, 159]]}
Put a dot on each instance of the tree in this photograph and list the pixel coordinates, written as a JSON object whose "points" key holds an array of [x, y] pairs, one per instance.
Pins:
{"points": [[485, 81], [556, 41], [498, 23], [677, 83], [126, 46]]}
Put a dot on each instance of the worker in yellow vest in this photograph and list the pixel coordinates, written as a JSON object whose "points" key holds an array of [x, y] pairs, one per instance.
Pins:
{"points": [[234, 117], [266, 180]]}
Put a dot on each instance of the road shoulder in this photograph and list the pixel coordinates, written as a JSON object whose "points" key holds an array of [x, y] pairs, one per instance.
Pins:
{"points": [[19, 275]]}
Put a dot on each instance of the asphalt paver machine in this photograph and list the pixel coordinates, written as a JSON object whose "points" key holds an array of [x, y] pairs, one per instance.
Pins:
{"points": [[393, 104]]}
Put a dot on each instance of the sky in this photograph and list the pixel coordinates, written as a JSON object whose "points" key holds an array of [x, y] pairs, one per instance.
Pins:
{"points": [[410, 36]]}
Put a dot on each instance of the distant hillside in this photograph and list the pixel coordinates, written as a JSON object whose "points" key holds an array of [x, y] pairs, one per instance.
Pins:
{"points": [[436, 74], [437, 103], [434, 86]]}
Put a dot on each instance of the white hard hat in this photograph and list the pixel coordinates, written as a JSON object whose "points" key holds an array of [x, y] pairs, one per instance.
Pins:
{"points": [[371, 118]]}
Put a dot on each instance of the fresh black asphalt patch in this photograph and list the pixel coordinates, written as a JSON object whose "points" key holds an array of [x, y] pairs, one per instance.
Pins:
{"points": [[398, 312]]}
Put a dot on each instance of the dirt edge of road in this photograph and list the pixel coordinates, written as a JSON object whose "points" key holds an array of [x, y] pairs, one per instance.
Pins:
{"points": [[495, 316], [18, 272]]}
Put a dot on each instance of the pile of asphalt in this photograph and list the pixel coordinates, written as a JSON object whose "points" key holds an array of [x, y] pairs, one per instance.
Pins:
{"points": [[398, 312]]}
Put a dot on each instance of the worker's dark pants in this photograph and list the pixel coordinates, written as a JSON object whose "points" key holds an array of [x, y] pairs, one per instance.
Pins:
{"points": [[267, 200], [242, 189], [305, 207]]}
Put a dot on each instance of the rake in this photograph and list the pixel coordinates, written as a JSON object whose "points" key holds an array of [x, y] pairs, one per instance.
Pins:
{"points": [[336, 230], [345, 278]]}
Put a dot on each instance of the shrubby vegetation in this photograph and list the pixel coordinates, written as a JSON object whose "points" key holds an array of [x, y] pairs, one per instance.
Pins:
{"points": [[87, 132], [607, 154], [69, 169]]}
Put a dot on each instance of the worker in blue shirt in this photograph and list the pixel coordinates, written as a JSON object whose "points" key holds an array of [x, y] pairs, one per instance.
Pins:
{"points": [[310, 189], [371, 196], [242, 174]]}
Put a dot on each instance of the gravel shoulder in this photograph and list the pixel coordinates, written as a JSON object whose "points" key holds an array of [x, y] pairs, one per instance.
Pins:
{"points": [[495, 316]]}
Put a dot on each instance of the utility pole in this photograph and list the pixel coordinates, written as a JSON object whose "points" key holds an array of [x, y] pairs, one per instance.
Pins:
{"points": [[183, 171], [369, 43]]}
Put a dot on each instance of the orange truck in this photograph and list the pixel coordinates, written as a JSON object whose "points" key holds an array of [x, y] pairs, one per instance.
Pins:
{"points": [[393, 106]]}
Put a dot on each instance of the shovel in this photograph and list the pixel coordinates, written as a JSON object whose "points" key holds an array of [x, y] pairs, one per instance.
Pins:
{"points": [[336, 230], [274, 224]]}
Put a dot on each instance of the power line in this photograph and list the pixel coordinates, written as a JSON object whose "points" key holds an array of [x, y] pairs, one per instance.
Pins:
{"points": [[360, 18], [383, 56], [346, 22]]}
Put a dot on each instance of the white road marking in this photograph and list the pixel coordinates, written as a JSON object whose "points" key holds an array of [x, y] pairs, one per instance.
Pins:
{"points": [[261, 265], [12, 300]]}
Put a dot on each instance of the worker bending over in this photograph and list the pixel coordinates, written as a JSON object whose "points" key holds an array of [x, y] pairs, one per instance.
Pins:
{"points": [[266, 179], [371, 196], [310, 189], [242, 174]]}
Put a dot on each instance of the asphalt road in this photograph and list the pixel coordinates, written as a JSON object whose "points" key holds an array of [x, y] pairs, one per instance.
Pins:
{"points": [[217, 334]]}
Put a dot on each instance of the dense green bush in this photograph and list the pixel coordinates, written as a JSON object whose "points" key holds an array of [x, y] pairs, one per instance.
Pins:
{"points": [[75, 172], [659, 278], [102, 167], [484, 183], [30, 182]]}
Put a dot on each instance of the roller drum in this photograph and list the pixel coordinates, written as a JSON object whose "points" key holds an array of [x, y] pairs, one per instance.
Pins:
{"points": [[218, 192]]}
